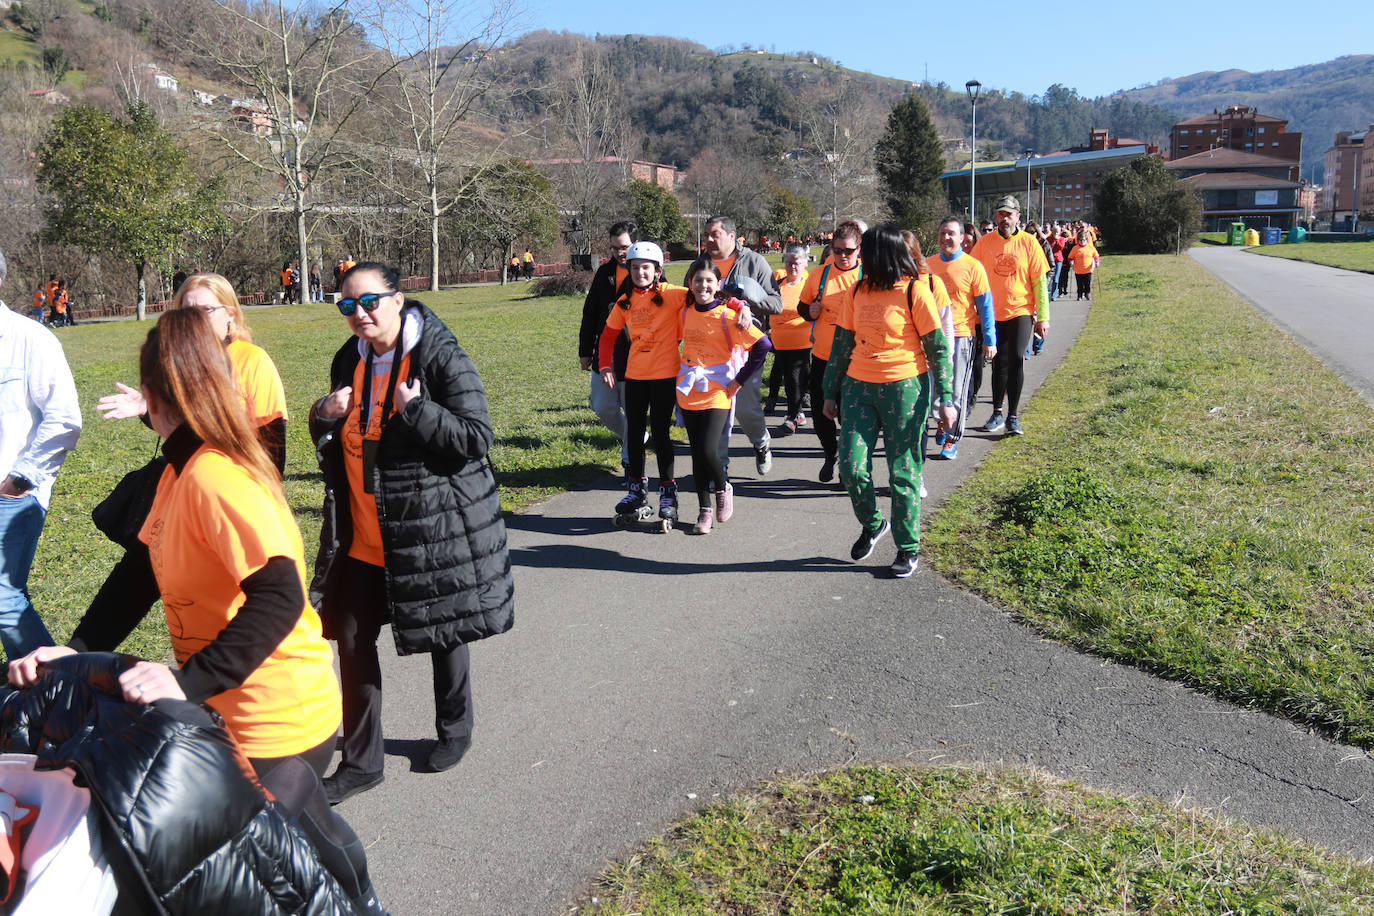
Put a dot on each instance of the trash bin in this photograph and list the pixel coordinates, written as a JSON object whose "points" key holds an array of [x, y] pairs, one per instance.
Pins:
{"points": [[1273, 235], [1297, 234], [1236, 234], [1252, 237]]}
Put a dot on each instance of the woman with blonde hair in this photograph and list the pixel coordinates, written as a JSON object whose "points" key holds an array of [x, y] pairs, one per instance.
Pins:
{"points": [[255, 375]]}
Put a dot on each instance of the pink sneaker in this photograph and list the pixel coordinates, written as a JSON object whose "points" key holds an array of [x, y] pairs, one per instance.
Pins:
{"points": [[703, 525], [725, 504], [799, 420]]}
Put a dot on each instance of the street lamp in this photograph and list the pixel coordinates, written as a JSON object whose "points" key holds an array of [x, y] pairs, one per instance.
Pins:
{"points": [[972, 87], [1028, 184]]}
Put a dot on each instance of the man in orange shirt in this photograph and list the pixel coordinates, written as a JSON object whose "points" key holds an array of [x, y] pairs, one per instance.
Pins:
{"points": [[1016, 268], [967, 283]]}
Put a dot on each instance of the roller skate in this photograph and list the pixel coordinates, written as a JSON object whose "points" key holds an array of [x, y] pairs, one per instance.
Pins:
{"points": [[667, 505], [634, 505]]}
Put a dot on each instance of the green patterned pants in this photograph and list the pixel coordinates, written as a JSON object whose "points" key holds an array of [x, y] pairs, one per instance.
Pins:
{"points": [[899, 409]]}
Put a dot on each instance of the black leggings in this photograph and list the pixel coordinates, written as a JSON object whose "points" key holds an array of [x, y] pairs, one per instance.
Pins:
{"points": [[654, 401], [975, 380], [793, 365], [1009, 365], [1085, 284], [703, 436], [824, 426]]}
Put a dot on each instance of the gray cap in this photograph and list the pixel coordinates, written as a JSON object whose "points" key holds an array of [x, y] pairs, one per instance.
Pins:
{"points": [[1009, 203]]}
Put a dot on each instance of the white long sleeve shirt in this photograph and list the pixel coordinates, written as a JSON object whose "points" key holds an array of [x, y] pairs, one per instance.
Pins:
{"points": [[40, 419]]}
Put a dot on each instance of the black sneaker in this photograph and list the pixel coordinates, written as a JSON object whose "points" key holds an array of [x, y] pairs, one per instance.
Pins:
{"points": [[1013, 426], [763, 460], [905, 564], [863, 547], [994, 424], [347, 782], [447, 753], [827, 470]]}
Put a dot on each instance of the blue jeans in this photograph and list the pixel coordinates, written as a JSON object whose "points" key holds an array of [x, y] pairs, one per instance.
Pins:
{"points": [[21, 629], [1056, 268]]}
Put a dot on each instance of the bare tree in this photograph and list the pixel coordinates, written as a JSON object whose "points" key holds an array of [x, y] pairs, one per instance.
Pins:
{"points": [[306, 70], [594, 131], [840, 126], [442, 47]]}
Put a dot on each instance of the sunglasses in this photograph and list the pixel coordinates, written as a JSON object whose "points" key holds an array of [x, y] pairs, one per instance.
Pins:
{"points": [[368, 301], [842, 252]]}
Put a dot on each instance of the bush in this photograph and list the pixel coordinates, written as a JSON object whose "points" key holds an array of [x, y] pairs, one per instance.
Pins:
{"points": [[568, 283], [1143, 208]]}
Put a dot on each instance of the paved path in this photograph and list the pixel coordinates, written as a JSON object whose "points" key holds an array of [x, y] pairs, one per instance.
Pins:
{"points": [[1330, 311], [648, 674]]}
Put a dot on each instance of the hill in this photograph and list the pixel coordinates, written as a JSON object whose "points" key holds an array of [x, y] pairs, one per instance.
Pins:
{"points": [[1317, 99]]}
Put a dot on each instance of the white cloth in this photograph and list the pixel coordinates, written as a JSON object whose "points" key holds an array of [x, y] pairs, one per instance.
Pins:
{"points": [[62, 859], [40, 419]]}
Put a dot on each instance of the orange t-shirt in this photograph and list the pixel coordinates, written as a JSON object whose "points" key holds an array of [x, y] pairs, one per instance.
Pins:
{"points": [[209, 528], [654, 331], [51, 290], [725, 265], [787, 329], [367, 528], [286, 278], [1083, 257], [708, 339], [259, 384], [837, 286], [966, 280], [1013, 266], [887, 344]]}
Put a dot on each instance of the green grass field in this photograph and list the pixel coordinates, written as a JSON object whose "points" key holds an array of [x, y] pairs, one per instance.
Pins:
{"points": [[1181, 502], [874, 840], [1350, 255]]}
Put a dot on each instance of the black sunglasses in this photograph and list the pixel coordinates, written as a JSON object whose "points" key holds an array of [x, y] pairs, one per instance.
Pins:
{"points": [[368, 301], [843, 251]]}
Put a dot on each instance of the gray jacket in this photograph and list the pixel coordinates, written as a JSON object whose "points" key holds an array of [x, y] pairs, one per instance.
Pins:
{"points": [[749, 263]]}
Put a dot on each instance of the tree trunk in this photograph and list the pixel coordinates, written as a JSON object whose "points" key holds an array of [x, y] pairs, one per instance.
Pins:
{"points": [[141, 307], [303, 264], [505, 264], [434, 237]]}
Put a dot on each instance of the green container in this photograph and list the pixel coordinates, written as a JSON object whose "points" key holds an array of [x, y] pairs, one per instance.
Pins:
{"points": [[1236, 234], [1297, 234]]}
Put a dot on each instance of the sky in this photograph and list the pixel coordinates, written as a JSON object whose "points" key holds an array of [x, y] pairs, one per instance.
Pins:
{"points": [[1095, 48]]}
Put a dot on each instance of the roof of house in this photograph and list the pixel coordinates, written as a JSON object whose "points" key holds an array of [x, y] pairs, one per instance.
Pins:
{"points": [[1223, 181], [1224, 158], [1218, 116]]}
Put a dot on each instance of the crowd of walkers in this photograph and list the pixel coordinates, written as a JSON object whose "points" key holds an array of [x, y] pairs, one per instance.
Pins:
{"points": [[412, 536], [875, 338]]}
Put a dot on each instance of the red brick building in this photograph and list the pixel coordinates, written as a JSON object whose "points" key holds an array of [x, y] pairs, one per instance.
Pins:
{"points": [[1237, 127], [1349, 158]]}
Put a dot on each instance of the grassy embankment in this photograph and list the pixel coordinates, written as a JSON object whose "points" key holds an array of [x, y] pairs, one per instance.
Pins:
{"points": [[1350, 255], [956, 840]]}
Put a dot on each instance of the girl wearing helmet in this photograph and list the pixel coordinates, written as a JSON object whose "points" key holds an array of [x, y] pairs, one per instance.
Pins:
{"points": [[717, 332], [650, 311]]}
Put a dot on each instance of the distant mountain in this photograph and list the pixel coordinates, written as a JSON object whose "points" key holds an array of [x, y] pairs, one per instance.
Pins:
{"points": [[1317, 99]]}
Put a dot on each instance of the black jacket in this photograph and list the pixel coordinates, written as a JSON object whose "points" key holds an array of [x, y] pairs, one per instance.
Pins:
{"points": [[601, 295], [183, 823], [448, 575]]}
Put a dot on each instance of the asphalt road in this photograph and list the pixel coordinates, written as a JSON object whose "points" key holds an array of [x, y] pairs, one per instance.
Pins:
{"points": [[648, 674], [1328, 310]]}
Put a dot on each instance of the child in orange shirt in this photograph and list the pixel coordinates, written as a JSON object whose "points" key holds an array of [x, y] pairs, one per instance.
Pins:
{"points": [[1085, 260], [716, 333], [651, 312]]}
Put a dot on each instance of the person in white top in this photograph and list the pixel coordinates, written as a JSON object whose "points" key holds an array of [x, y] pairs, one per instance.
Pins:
{"points": [[39, 423]]}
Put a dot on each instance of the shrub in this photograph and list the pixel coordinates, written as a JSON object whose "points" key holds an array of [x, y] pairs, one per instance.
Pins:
{"points": [[1143, 208], [568, 283]]}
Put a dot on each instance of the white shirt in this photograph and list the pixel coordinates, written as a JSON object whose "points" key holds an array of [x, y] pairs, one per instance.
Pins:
{"points": [[40, 419]]}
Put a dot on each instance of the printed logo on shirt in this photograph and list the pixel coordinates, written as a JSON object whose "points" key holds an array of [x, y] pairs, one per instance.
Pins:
{"points": [[1006, 264]]}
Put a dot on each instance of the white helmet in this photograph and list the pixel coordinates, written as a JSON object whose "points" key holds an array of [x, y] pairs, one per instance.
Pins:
{"points": [[645, 251]]}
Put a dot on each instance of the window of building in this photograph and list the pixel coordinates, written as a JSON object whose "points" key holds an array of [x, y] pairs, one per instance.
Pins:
{"points": [[1249, 131], [1183, 133], [1183, 148], [1249, 146], [1261, 130], [1275, 144]]}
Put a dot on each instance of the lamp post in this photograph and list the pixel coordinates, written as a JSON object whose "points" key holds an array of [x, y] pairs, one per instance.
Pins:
{"points": [[1028, 183], [973, 87]]}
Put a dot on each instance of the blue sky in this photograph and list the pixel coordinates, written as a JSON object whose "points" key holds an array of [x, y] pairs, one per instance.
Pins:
{"points": [[1095, 48]]}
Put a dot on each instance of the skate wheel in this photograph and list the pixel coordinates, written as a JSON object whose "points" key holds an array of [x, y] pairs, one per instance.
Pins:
{"points": [[618, 521], [667, 525]]}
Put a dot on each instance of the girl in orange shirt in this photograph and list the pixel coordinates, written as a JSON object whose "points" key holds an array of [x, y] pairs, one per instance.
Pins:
{"points": [[1085, 261], [651, 311], [715, 331], [790, 334]]}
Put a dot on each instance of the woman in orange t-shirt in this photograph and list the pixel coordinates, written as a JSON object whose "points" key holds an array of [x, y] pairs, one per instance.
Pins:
{"points": [[1084, 259], [255, 375], [716, 332], [790, 333], [888, 355], [651, 311]]}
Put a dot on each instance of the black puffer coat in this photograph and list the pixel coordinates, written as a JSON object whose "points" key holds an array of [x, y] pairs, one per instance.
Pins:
{"points": [[183, 822], [448, 575]]}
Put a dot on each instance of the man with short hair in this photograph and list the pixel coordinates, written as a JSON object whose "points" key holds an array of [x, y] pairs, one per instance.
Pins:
{"points": [[1016, 269], [967, 283], [607, 403], [738, 264], [39, 423]]}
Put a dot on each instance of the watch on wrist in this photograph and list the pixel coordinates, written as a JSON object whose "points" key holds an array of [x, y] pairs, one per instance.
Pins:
{"points": [[20, 483]]}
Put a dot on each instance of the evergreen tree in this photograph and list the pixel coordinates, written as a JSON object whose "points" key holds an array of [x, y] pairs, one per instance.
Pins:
{"points": [[658, 213], [909, 158], [1143, 208]]}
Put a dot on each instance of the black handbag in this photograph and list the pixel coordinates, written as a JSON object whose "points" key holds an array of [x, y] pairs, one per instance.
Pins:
{"points": [[120, 515]]}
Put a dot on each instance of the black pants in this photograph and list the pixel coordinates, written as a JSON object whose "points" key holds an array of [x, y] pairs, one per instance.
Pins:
{"points": [[1009, 365], [824, 426], [650, 403], [703, 436], [1085, 284], [355, 622], [792, 365], [975, 380]]}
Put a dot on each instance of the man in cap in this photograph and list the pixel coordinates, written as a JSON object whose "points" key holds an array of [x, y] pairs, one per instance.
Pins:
{"points": [[1016, 269]]}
